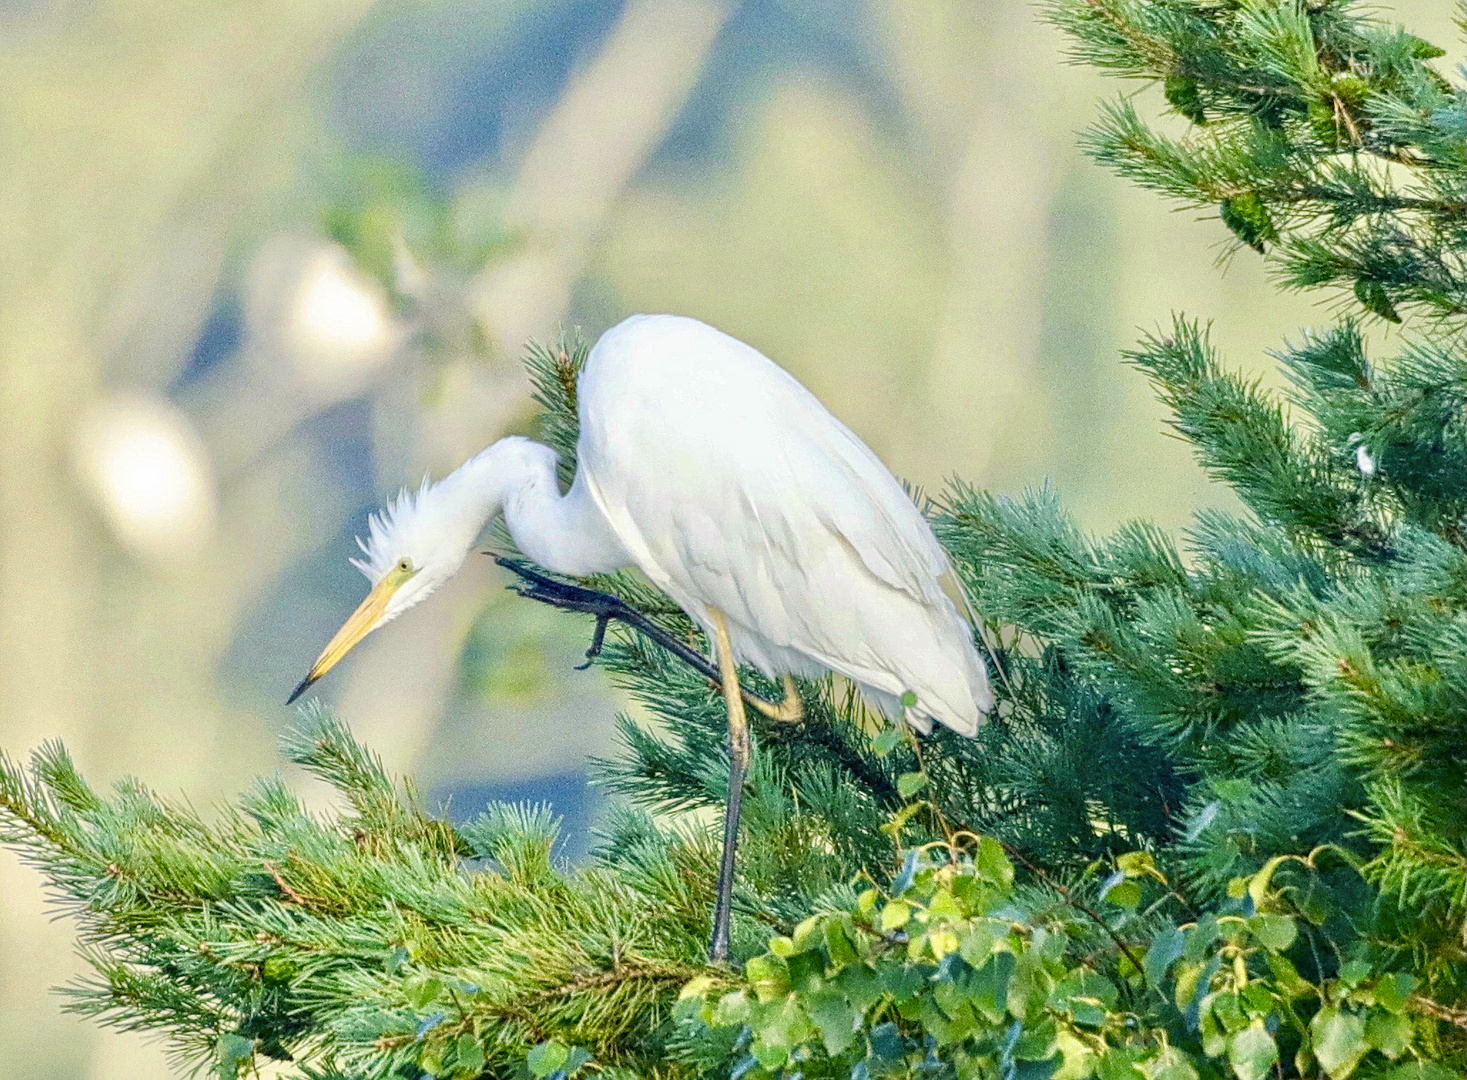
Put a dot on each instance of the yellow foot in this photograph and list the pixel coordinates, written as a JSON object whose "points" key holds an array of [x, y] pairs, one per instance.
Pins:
{"points": [[789, 711]]}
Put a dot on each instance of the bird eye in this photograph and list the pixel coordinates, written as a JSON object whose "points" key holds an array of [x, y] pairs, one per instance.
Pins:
{"points": [[404, 565]]}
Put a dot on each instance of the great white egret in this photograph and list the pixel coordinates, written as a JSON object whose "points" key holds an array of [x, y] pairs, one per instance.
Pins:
{"points": [[713, 471]]}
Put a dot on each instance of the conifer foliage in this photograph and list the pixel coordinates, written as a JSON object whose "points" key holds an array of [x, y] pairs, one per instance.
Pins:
{"points": [[1216, 829]]}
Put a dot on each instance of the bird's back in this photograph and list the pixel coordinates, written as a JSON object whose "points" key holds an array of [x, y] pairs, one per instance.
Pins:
{"points": [[732, 486]]}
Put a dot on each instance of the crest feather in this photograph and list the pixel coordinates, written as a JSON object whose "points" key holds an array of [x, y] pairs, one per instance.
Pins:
{"points": [[385, 531]]}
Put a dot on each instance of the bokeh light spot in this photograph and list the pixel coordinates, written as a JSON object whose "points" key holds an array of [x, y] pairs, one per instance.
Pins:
{"points": [[150, 475], [339, 323]]}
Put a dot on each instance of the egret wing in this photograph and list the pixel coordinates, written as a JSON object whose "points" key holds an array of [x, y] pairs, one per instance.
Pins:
{"points": [[719, 456], [734, 487]]}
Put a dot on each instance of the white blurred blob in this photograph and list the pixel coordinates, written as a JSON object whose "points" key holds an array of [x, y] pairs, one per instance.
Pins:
{"points": [[1363, 461], [319, 316], [339, 318], [142, 461]]}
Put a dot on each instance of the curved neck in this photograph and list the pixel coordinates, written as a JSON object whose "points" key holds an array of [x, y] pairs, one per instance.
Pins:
{"points": [[567, 533]]}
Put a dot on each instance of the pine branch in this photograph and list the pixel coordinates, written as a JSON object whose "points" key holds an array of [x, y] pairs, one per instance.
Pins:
{"points": [[1228, 769]]}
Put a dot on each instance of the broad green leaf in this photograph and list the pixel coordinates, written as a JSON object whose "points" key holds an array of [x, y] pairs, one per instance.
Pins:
{"points": [[942, 942], [1391, 991], [887, 741], [990, 987], [1258, 997], [1086, 1011], [903, 982], [1200, 938], [895, 915], [1275, 932], [1077, 1059], [1036, 1043], [944, 905], [1043, 1069], [468, 1054], [1287, 980], [1049, 945], [805, 931], [778, 1032], [1422, 1070], [1338, 1041], [992, 864], [422, 990], [835, 1018], [806, 969], [1252, 1052], [1166, 949], [733, 1010], [547, 1058], [1214, 1038], [770, 1054], [1126, 894], [838, 941], [1228, 1012], [1390, 1033], [977, 944], [909, 783], [861, 986], [1028, 988], [1084, 983], [1185, 990], [767, 976], [1172, 1064], [1118, 1065]]}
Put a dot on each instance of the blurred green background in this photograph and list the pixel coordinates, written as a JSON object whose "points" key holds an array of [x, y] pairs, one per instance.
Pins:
{"points": [[262, 261]]}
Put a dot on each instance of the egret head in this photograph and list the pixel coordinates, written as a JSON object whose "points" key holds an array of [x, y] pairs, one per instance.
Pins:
{"points": [[413, 546]]}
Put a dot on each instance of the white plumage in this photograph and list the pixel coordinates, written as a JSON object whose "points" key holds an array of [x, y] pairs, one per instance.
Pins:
{"points": [[729, 484]]}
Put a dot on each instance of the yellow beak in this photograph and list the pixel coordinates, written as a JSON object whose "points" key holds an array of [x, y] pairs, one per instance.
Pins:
{"points": [[361, 623]]}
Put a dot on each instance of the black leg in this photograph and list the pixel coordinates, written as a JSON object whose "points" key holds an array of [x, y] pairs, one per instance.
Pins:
{"points": [[738, 758], [607, 608]]}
